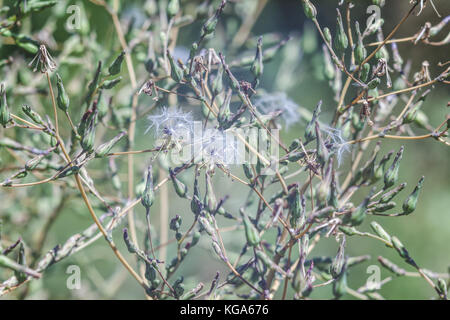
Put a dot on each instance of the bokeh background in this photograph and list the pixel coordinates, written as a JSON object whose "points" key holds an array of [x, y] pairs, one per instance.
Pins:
{"points": [[296, 70]]}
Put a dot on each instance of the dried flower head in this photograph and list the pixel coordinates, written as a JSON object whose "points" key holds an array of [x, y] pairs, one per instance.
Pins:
{"points": [[216, 147], [43, 61], [171, 123], [334, 139], [278, 101]]}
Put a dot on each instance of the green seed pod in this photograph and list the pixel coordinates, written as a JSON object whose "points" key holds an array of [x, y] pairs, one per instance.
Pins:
{"points": [[297, 204], [62, 99], [340, 285], [206, 225], [104, 149], [196, 204], [334, 193], [224, 112], [360, 50], [109, 84], [368, 171], [357, 123], [327, 35], [93, 84], [379, 3], [34, 162], [248, 171], [148, 195], [251, 233], [380, 231], [176, 73], [210, 25], [338, 263], [391, 175], [382, 207], [341, 40], [130, 245], [172, 8], [87, 140], [32, 115], [350, 231], [329, 67], [209, 201], [309, 9], [150, 272], [365, 71], [178, 287], [21, 276], [27, 43], [442, 286], [381, 168], [5, 116], [400, 248], [116, 65], [68, 172], [374, 83], [388, 196], [411, 202], [322, 152], [358, 216], [180, 187], [195, 238], [421, 119], [175, 223], [382, 54], [310, 132], [217, 85], [257, 66]]}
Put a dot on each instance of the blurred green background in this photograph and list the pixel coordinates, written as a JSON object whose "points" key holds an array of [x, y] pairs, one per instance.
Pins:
{"points": [[425, 233]]}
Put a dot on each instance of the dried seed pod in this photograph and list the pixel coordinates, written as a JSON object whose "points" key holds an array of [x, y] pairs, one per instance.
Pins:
{"points": [[391, 266]]}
